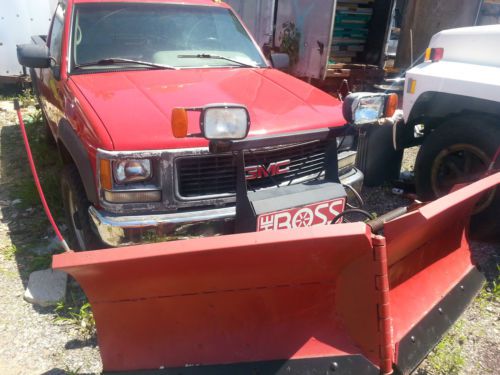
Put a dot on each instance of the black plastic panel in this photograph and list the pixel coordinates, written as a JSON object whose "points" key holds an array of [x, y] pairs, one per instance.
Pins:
{"points": [[346, 365], [415, 346]]}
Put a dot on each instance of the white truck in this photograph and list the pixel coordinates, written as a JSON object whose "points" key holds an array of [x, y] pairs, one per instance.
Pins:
{"points": [[19, 20], [452, 109]]}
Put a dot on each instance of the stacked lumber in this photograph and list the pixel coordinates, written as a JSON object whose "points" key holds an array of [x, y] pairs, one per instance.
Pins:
{"points": [[352, 18]]}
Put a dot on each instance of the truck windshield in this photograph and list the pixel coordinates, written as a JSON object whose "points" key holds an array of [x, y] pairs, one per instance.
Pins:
{"points": [[169, 35]]}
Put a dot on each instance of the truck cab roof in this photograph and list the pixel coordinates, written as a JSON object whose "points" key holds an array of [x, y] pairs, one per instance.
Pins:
{"points": [[473, 45]]}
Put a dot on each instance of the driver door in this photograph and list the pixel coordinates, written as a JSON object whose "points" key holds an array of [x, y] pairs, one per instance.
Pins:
{"points": [[51, 87]]}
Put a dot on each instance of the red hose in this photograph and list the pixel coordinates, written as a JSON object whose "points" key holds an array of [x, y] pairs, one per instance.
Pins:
{"points": [[494, 160], [35, 177]]}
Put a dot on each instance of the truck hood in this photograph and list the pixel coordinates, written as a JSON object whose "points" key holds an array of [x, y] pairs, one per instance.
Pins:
{"points": [[135, 107]]}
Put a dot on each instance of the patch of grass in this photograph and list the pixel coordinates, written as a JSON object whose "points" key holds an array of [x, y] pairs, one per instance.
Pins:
{"points": [[447, 358], [490, 292], [26, 97], [36, 118], [8, 273], [69, 371], [44, 153], [10, 252], [78, 312], [40, 262], [495, 285], [48, 165], [483, 298], [25, 189]]}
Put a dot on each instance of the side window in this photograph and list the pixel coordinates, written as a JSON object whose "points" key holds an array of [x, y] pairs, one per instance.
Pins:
{"points": [[55, 41]]}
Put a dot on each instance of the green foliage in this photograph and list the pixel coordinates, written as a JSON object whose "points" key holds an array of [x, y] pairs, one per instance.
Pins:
{"points": [[10, 252], [448, 357], [490, 293], [26, 97], [78, 313], [495, 286], [48, 165], [290, 41], [36, 118], [70, 371], [40, 262], [25, 189]]}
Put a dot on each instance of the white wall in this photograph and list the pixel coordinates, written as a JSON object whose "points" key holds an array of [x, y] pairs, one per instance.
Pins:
{"points": [[258, 17], [19, 20]]}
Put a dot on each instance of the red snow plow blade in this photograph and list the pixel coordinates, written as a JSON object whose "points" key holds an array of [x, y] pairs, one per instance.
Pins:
{"points": [[305, 301]]}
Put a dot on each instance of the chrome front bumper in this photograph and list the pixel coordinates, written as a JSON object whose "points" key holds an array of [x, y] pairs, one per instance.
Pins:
{"points": [[118, 230]]}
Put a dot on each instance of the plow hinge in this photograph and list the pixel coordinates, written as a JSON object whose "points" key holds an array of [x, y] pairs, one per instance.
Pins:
{"points": [[386, 346]]}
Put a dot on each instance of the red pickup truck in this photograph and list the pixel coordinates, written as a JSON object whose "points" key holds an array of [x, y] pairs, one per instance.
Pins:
{"points": [[110, 74]]}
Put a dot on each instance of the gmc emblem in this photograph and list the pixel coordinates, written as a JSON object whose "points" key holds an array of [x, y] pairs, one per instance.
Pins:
{"points": [[256, 172]]}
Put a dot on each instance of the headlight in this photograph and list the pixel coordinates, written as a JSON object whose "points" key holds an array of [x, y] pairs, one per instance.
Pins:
{"points": [[366, 108], [369, 109], [225, 122], [133, 170]]}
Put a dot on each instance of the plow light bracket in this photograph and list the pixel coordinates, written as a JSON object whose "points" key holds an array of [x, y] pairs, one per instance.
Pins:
{"points": [[218, 122]]}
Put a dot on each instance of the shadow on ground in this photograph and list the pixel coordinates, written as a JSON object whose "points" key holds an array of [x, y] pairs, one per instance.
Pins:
{"points": [[28, 227]]}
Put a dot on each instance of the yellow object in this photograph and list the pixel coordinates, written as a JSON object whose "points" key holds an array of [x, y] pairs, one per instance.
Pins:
{"points": [[179, 123], [412, 86], [106, 177], [428, 53], [392, 105]]}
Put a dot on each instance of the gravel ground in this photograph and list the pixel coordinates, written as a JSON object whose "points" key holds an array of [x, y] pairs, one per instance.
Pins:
{"points": [[32, 341]]}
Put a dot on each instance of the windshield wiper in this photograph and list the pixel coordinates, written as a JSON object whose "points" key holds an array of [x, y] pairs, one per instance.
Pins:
{"points": [[119, 60], [216, 57]]}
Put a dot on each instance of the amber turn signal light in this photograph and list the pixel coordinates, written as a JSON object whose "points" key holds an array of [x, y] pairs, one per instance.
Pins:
{"points": [[105, 174], [179, 123], [392, 105]]}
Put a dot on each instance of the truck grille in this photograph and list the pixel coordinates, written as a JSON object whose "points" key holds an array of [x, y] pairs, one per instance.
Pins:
{"points": [[211, 175]]}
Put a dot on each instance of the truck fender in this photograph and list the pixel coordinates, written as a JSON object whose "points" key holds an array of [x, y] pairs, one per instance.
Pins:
{"points": [[68, 137], [434, 108]]}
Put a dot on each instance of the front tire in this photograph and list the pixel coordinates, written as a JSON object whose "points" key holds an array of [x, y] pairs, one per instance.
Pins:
{"points": [[76, 206], [458, 152]]}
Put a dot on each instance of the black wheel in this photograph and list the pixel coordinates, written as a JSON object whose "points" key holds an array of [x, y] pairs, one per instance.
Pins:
{"points": [[458, 152], [76, 206]]}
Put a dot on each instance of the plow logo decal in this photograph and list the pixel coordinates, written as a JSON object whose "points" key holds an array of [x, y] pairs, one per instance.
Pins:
{"points": [[321, 213]]}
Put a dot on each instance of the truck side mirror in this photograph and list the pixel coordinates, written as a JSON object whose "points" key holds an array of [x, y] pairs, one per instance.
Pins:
{"points": [[33, 55], [280, 61]]}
